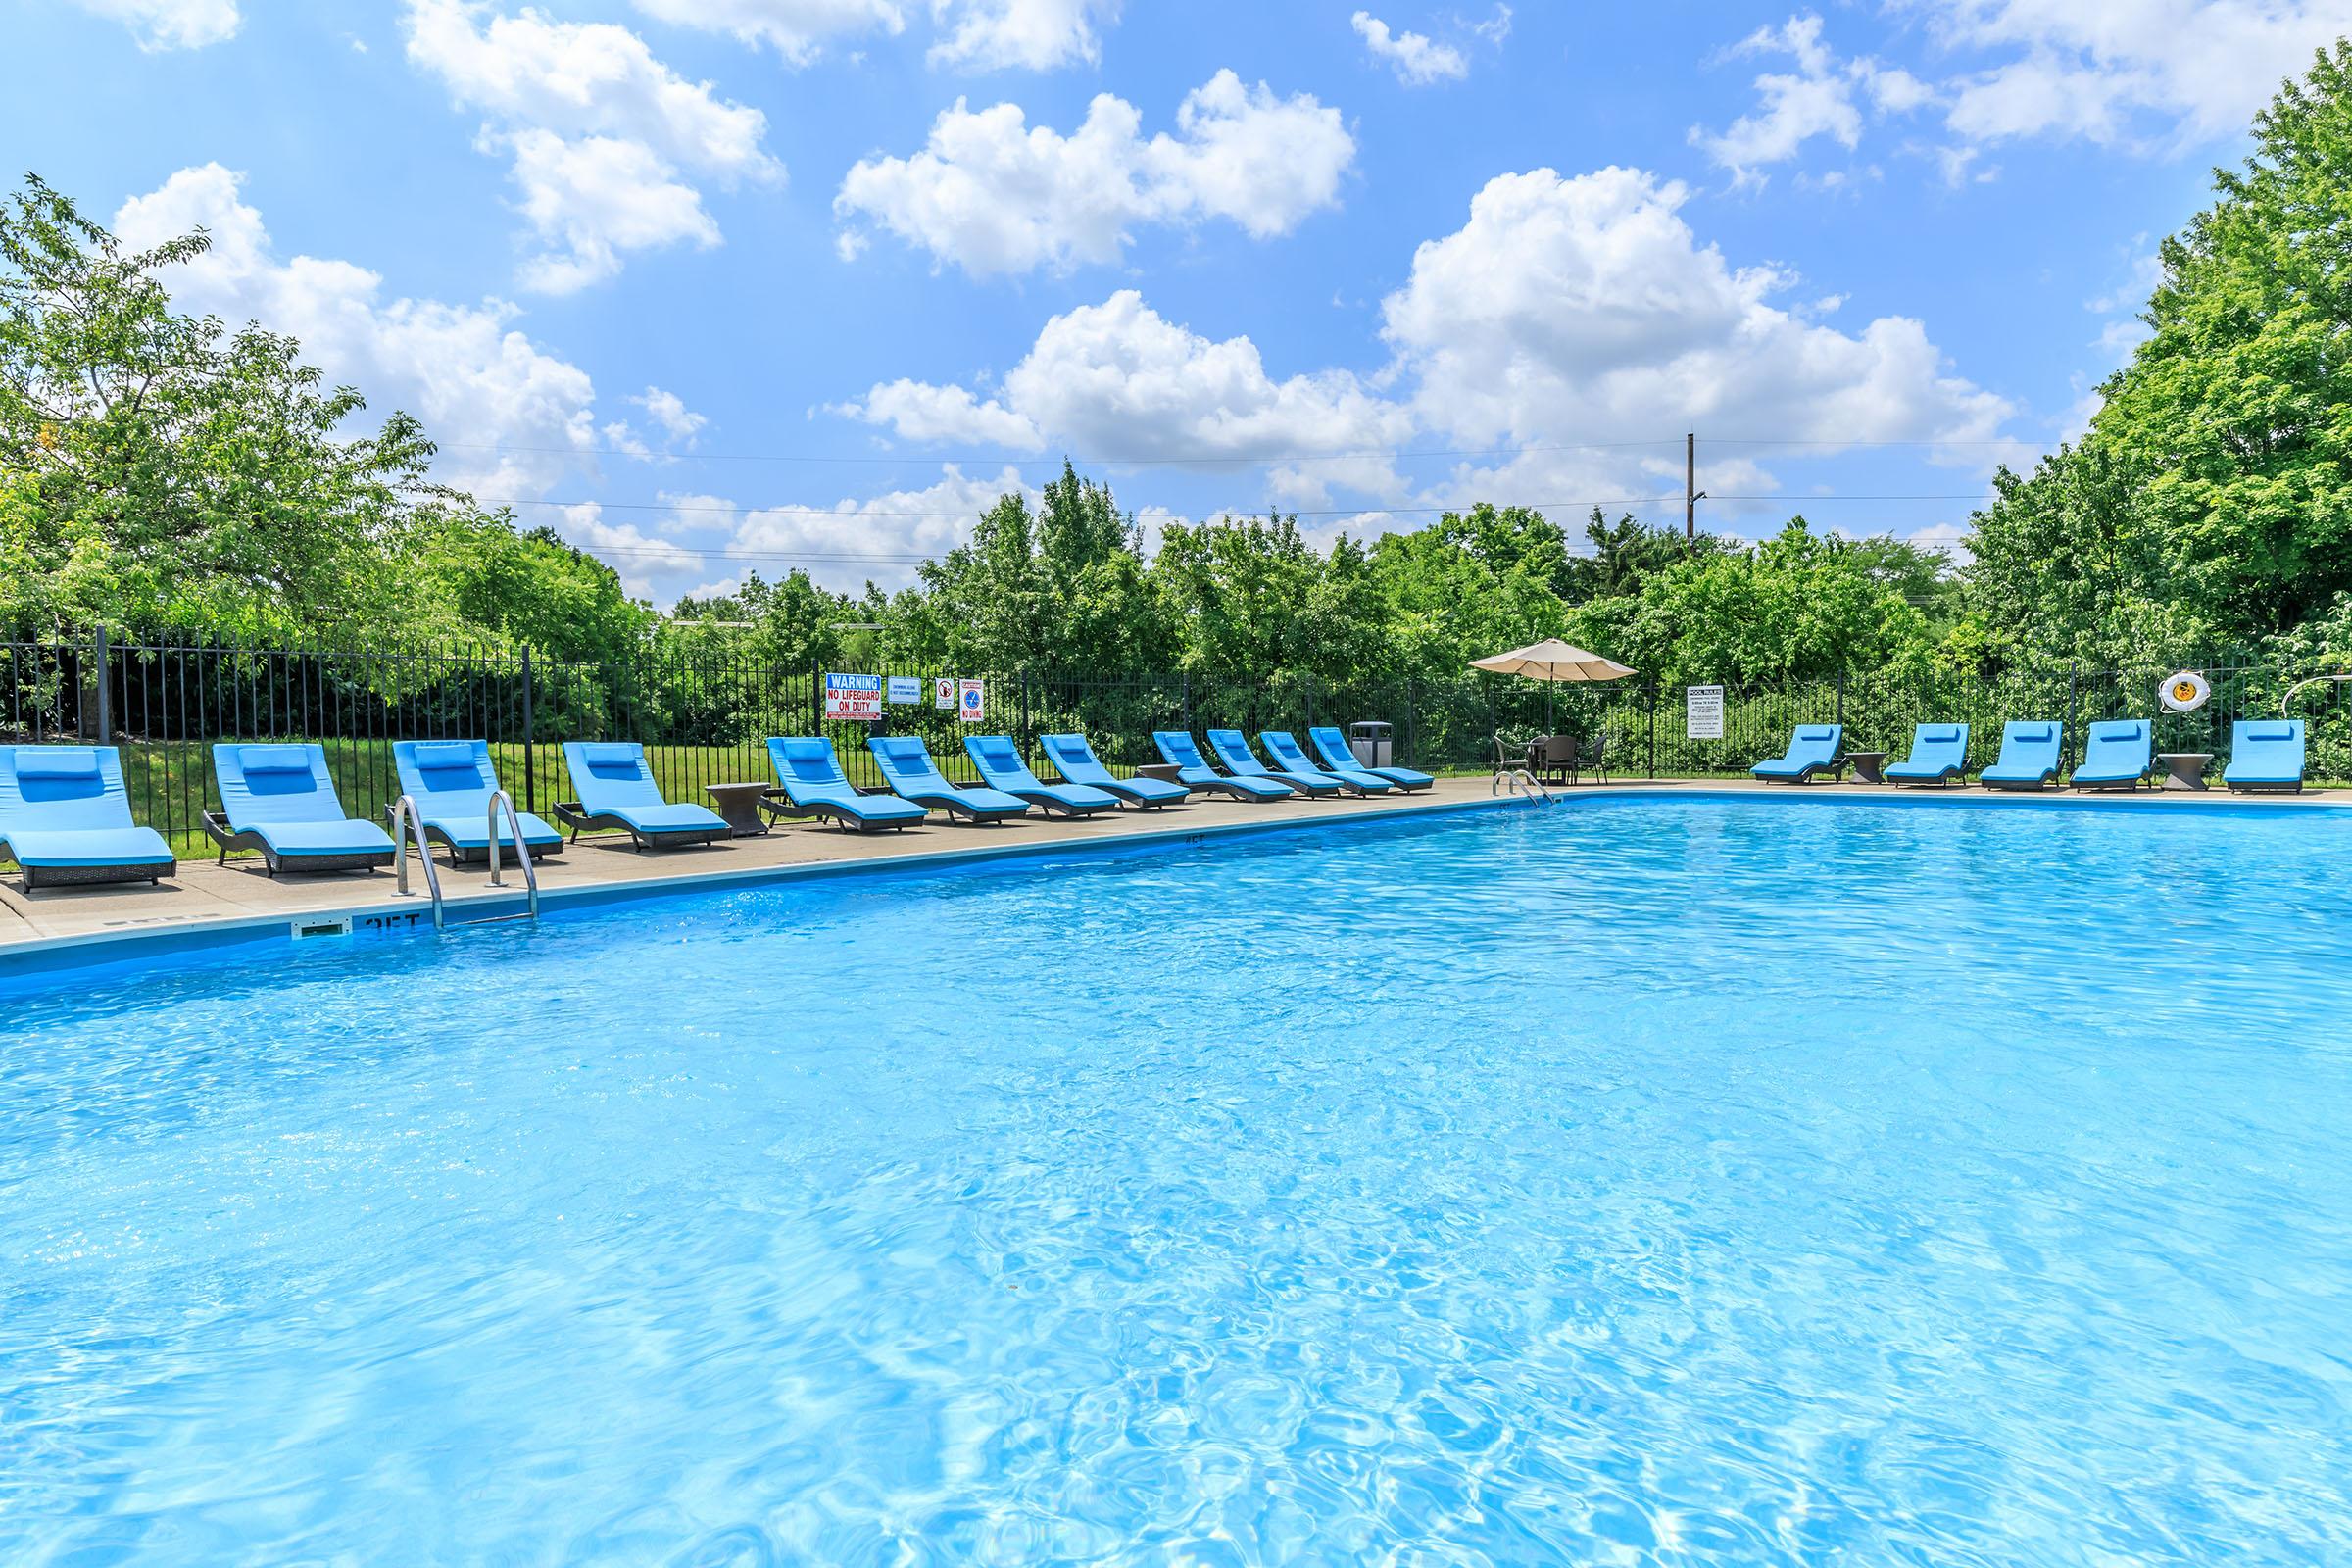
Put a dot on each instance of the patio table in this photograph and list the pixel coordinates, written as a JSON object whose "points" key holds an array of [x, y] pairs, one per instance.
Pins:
{"points": [[738, 805], [2185, 771]]}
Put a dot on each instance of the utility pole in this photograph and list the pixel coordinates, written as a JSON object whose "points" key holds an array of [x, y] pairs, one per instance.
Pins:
{"points": [[1691, 494]]}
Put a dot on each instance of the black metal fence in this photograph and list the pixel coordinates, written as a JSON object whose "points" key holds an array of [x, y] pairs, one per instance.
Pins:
{"points": [[704, 716]]}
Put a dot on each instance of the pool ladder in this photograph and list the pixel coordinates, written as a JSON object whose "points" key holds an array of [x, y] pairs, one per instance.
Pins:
{"points": [[406, 819]]}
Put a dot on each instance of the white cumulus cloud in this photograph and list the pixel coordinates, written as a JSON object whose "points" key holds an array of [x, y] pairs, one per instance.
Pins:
{"points": [[1822, 96], [1416, 59], [990, 193], [1572, 311], [2148, 75], [1027, 34], [797, 29], [1120, 381], [918, 410], [590, 200], [2198, 69], [670, 411], [599, 131], [464, 370], [1567, 324], [159, 25]]}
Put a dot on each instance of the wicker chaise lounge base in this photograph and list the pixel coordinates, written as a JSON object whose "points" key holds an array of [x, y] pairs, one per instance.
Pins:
{"points": [[480, 853], [779, 806], [275, 862], [79, 876], [579, 819]]}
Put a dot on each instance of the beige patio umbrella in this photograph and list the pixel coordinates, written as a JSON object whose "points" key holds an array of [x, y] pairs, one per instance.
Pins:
{"points": [[1552, 661]]}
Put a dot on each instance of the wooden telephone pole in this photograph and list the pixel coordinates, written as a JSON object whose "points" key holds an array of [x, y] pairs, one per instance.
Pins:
{"points": [[1691, 494]]}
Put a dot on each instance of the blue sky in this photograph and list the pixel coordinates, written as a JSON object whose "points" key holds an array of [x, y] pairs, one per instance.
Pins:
{"points": [[714, 285]]}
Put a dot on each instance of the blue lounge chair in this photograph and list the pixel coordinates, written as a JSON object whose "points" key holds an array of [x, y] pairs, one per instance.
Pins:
{"points": [[814, 786], [2265, 754], [452, 782], [1333, 751], [1938, 755], [1001, 769], [64, 818], [1075, 761], [1182, 754], [1812, 750], [1290, 760], [908, 768], [1233, 753], [2118, 754], [281, 802], [2030, 749], [617, 794]]}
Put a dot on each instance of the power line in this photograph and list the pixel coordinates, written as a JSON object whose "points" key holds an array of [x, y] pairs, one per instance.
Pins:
{"points": [[1796, 502], [1200, 460], [966, 512]]}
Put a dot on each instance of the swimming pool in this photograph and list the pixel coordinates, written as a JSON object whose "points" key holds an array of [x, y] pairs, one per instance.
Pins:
{"points": [[1640, 1181]]}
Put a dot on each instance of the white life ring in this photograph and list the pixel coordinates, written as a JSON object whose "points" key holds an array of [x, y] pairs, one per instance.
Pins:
{"points": [[2185, 692]]}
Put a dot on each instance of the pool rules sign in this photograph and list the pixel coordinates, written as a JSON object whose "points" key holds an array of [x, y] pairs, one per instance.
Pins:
{"points": [[1702, 713]]}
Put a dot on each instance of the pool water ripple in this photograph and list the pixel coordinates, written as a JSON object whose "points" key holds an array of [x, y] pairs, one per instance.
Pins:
{"points": [[1634, 1182]]}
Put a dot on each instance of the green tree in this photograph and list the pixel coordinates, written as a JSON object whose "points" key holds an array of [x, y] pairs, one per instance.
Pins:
{"points": [[1625, 554], [789, 624], [1797, 608], [161, 469], [1468, 586], [2210, 501], [1255, 602]]}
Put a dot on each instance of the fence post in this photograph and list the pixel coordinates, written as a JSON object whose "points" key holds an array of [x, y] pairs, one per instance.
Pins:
{"points": [[1185, 698], [1413, 721], [106, 725], [1653, 726], [1024, 742], [2074, 684], [1841, 698], [531, 774]]}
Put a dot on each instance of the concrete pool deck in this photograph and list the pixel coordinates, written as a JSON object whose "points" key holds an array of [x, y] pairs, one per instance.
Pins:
{"points": [[68, 924]]}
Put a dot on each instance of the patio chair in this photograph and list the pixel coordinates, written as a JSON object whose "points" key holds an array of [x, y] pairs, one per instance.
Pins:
{"points": [[1812, 750], [617, 794], [1331, 748], [1938, 755], [1001, 769], [2117, 753], [1233, 752], [1552, 759], [812, 784], [452, 783], [908, 768], [1183, 753], [1075, 761], [2031, 750], [1291, 762], [2265, 754], [65, 820], [279, 801]]}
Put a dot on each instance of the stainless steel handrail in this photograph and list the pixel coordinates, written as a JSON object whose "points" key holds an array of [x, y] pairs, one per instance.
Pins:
{"points": [[1511, 774], [404, 816], [522, 851]]}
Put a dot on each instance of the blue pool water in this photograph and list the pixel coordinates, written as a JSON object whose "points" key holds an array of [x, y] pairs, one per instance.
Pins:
{"points": [[1643, 1182]]}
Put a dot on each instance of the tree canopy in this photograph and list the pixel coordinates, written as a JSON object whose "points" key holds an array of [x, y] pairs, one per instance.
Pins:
{"points": [[2208, 506], [159, 470]]}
